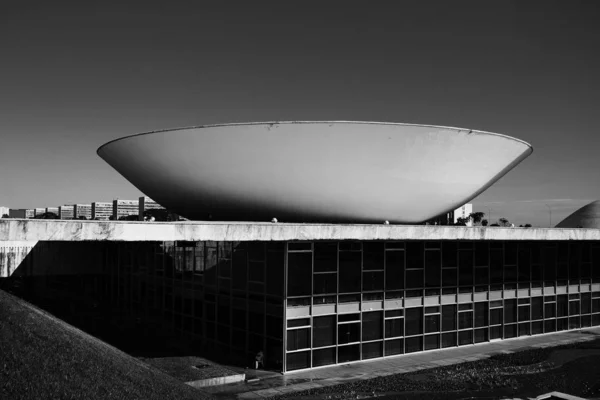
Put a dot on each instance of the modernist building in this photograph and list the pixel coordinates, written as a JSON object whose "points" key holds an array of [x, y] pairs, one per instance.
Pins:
{"points": [[347, 293], [146, 204], [82, 210], [125, 208], [102, 210], [21, 213], [66, 212], [312, 295]]}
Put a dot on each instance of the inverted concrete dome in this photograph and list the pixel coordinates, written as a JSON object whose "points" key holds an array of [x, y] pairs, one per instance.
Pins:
{"points": [[360, 172], [587, 216]]}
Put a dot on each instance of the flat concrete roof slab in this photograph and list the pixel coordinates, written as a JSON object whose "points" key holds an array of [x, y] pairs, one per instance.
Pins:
{"points": [[69, 230]]}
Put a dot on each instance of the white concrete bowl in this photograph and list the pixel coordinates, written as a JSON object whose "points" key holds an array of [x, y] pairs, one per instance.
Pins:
{"points": [[360, 172]]}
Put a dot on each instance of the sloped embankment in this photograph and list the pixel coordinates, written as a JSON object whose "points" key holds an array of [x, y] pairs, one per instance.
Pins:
{"points": [[43, 357]]}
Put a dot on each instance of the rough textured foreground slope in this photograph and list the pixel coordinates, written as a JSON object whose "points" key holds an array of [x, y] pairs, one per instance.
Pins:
{"points": [[42, 357]]}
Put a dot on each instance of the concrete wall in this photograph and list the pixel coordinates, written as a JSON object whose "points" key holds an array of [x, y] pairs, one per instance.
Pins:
{"points": [[15, 230]]}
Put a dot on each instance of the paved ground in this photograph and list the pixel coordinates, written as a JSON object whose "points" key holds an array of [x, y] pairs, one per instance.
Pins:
{"points": [[271, 384]]}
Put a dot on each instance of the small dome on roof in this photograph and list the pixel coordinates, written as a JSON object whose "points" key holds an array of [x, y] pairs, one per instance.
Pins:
{"points": [[587, 216]]}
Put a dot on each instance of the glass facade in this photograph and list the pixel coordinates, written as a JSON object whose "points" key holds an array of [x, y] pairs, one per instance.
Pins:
{"points": [[313, 304], [375, 299]]}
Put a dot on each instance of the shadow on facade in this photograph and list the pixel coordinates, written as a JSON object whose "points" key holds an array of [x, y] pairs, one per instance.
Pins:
{"points": [[152, 299]]}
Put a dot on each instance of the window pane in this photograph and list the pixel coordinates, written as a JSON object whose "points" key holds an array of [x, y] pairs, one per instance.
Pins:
{"points": [[372, 326], [432, 323], [465, 267], [350, 271], [299, 274], [537, 307], [348, 333], [524, 329], [325, 257], [325, 283], [372, 350], [510, 331], [449, 277], [449, 254], [449, 317], [482, 276], [433, 265], [373, 280], [414, 254], [393, 347], [550, 310], [432, 342], [298, 339], [348, 353], [373, 255], [394, 270], [481, 314], [465, 320], [298, 360], [562, 305], [394, 327], [481, 254], [496, 264], [586, 301], [414, 344], [324, 357], [449, 339], [414, 321], [481, 335], [524, 313], [414, 279], [496, 332], [465, 337], [510, 311], [496, 316], [550, 325], [324, 331]]}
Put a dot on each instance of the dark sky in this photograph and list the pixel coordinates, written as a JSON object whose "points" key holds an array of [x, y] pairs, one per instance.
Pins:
{"points": [[76, 75]]}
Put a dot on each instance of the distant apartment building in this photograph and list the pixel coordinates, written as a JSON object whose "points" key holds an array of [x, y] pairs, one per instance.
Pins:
{"points": [[21, 213], [38, 211], [145, 204], [102, 210], [82, 210], [66, 212], [124, 208], [462, 212], [451, 218]]}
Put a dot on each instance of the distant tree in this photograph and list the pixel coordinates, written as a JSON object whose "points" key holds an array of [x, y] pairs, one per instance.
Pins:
{"points": [[484, 222], [476, 217], [494, 225], [460, 221], [47, 215], [5, 216], [527, 226], [503, 222], [132, 217], [82, 217]]}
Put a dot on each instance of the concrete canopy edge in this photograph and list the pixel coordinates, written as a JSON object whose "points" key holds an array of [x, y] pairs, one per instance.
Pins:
{"points": [[69, 230]]}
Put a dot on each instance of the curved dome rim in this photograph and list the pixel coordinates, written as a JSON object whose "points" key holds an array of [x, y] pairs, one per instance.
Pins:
{"points": [[317, 122]]}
